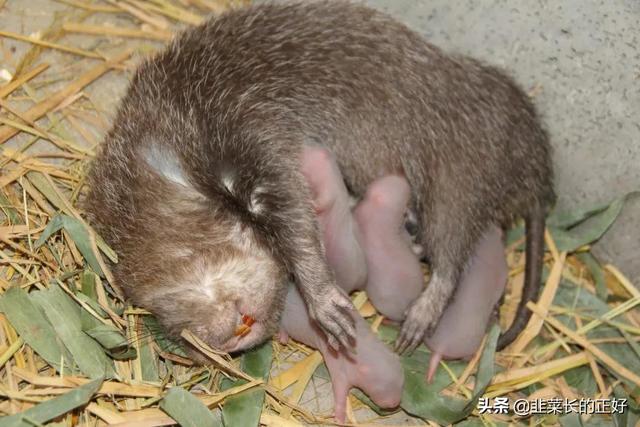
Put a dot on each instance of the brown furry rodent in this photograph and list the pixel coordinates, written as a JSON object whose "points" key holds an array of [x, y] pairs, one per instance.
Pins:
{"points": [[198, 187]]}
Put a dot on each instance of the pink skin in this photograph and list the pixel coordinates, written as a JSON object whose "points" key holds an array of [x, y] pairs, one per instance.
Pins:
{"points": [[332, 204], [481, 286], [395, 278], [374, 368]]}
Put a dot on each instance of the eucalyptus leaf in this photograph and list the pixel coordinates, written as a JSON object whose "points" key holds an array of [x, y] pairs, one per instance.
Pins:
{"points": [[51, 409], [187, 410], [30, 323], [244, 409]]}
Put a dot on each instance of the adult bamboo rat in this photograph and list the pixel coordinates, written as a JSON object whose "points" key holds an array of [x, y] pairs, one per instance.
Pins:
{"points": [[198, 186]]}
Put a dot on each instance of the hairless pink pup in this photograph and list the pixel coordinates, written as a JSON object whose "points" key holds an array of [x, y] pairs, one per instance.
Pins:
{"points": [[370, 248], [395, 277], [373, 367], [464, 322], [376, 231]]}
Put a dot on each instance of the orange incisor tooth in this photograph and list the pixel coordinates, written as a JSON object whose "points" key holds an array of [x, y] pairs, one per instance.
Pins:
{"points": [[242, 330]]}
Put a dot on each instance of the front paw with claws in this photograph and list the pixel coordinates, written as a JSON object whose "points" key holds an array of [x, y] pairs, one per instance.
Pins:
{"points": [[333, 312], [419, 320]]}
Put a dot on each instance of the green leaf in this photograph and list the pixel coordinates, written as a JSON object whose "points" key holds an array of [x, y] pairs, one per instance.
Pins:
{"points": [[27, 318], [64, 314], [44, 186], [425, 401], [629, 417], [108, 336], [88, 284], [244, 409], [581, 378], [477, 422], [573, 230], [8, 209], [53, 408], [80, 237], [153, 328], [422, 399], [486, 367], [585, 303], [571, 420], [566, 220], [187, 410], [148, 360], [596, 272], [78, 234], [93, 304]]}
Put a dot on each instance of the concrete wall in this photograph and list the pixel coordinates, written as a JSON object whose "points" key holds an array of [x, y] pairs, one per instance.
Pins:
{"points": [[582, 60]]}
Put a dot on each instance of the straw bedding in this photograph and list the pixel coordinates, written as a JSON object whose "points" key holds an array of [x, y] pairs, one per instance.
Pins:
{"points": [[73, 352]]}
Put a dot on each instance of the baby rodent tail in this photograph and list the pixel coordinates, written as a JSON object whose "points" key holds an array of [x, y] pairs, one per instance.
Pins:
{"points": [[534, 256]]}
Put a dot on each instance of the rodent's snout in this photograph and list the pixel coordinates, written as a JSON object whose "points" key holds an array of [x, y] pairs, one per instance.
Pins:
{"points": [[231, 296], [245, 327]]}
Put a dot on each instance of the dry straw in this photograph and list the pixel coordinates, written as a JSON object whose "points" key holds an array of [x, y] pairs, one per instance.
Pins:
{"points": [[50, 258]]}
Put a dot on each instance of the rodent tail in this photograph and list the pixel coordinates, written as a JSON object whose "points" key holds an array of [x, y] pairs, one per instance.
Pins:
{"points": [[534, 253]]}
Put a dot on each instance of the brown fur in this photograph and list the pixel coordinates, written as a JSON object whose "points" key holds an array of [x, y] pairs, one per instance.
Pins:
{"points": [[237, 97]]}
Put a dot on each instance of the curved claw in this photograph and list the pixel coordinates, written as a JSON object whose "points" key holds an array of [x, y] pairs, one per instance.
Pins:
{"points": [[419, 318], [343, 336], [407, 342], [411, 334], [337, 322]]}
